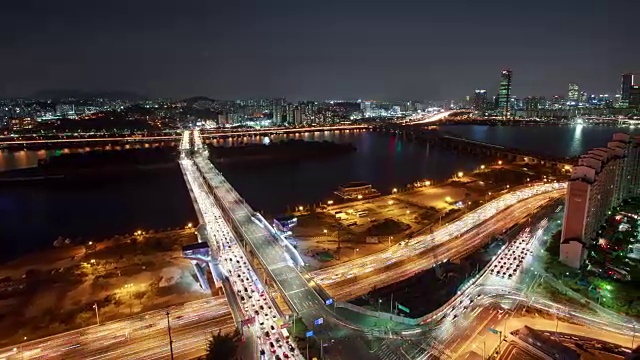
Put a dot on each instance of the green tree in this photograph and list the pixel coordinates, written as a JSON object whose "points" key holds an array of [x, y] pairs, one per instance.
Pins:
{"points": [[222, 346]]}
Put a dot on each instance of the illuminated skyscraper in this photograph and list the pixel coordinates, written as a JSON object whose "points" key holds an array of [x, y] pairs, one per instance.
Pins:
{"points": [[480, 100], [573, 96], [625, 89], [504, 94], [634, 96]]}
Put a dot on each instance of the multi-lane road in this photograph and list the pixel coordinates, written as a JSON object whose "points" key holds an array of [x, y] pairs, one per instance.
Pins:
{"points": [[273, 255], [244, 290], [139, 337], [452, 241]]}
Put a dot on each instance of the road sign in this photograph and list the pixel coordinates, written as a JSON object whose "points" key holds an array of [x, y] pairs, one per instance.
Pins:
{"points": [[310, 333], [403, 308], [328, 302], [494, 331], [319, 321]]}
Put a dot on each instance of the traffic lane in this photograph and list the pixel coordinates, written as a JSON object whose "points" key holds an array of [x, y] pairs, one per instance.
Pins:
{"points": [[421, 243], [470, 237], [453, 249], [277, 256], [151, 342], [218, 229], [115, 331], [303, 299]]}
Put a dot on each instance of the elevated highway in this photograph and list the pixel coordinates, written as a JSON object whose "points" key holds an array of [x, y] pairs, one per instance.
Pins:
{"points": [[449, 242], [422, 119], [258, 240]]}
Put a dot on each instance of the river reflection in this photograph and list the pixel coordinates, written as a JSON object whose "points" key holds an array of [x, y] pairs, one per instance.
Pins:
{"points": [[32, 216]]}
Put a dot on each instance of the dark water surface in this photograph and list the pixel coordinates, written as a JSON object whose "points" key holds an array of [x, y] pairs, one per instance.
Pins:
{"points": [[32, 216]]}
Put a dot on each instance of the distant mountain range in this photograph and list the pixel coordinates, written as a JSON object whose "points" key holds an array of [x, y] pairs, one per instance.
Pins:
{"points": [[195, 99], [57, 94]]}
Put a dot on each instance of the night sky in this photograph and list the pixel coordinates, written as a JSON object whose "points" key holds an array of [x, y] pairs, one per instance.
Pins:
{"points": [[331, 49]]}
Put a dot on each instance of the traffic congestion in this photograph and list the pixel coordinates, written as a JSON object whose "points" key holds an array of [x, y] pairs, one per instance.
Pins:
{"points": [[261, 316]]}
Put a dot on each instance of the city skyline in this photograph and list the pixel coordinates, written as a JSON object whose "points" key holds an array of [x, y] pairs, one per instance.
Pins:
{"points": [[349, 51]]}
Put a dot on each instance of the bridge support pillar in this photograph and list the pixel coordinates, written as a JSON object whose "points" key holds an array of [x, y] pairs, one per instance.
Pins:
{"points": [[217, 282], [202, 278]]}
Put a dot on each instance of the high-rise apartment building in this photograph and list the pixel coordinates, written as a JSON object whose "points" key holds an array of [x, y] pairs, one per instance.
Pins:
{"points": [[480, 100], [628, 80], [504, 94], [602, 179], [277, 114], [634, 96]]}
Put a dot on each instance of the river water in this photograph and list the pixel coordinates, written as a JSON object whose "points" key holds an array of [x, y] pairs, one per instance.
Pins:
{"points": [[33, 216]]}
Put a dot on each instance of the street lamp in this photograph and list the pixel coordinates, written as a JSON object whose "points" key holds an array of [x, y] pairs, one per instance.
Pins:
{"points": [[169, 331], [499, 162], [300, 208], [324, 231], [427, 183], [460, 173], [355, 251], [330, 202], [394, 191], [482, 167], [95, 306]]}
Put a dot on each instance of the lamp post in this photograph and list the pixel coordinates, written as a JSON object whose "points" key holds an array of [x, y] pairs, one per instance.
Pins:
{"points": [[169, 331], [355, 251], [95, 306]]}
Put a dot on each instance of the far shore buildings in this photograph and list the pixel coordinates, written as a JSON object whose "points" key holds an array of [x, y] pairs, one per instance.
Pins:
{"points": [[603, 178]]}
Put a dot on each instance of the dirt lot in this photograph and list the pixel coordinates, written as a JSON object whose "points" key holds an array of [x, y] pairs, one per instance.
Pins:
{"points": [[55, 291]]}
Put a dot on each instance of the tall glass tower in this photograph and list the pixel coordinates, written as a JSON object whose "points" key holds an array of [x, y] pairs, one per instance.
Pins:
{"points": [[625, 89], [504, 94]]}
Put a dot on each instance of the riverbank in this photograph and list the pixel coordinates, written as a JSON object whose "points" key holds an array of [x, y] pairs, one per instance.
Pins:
{"points": [[54, 291]]}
